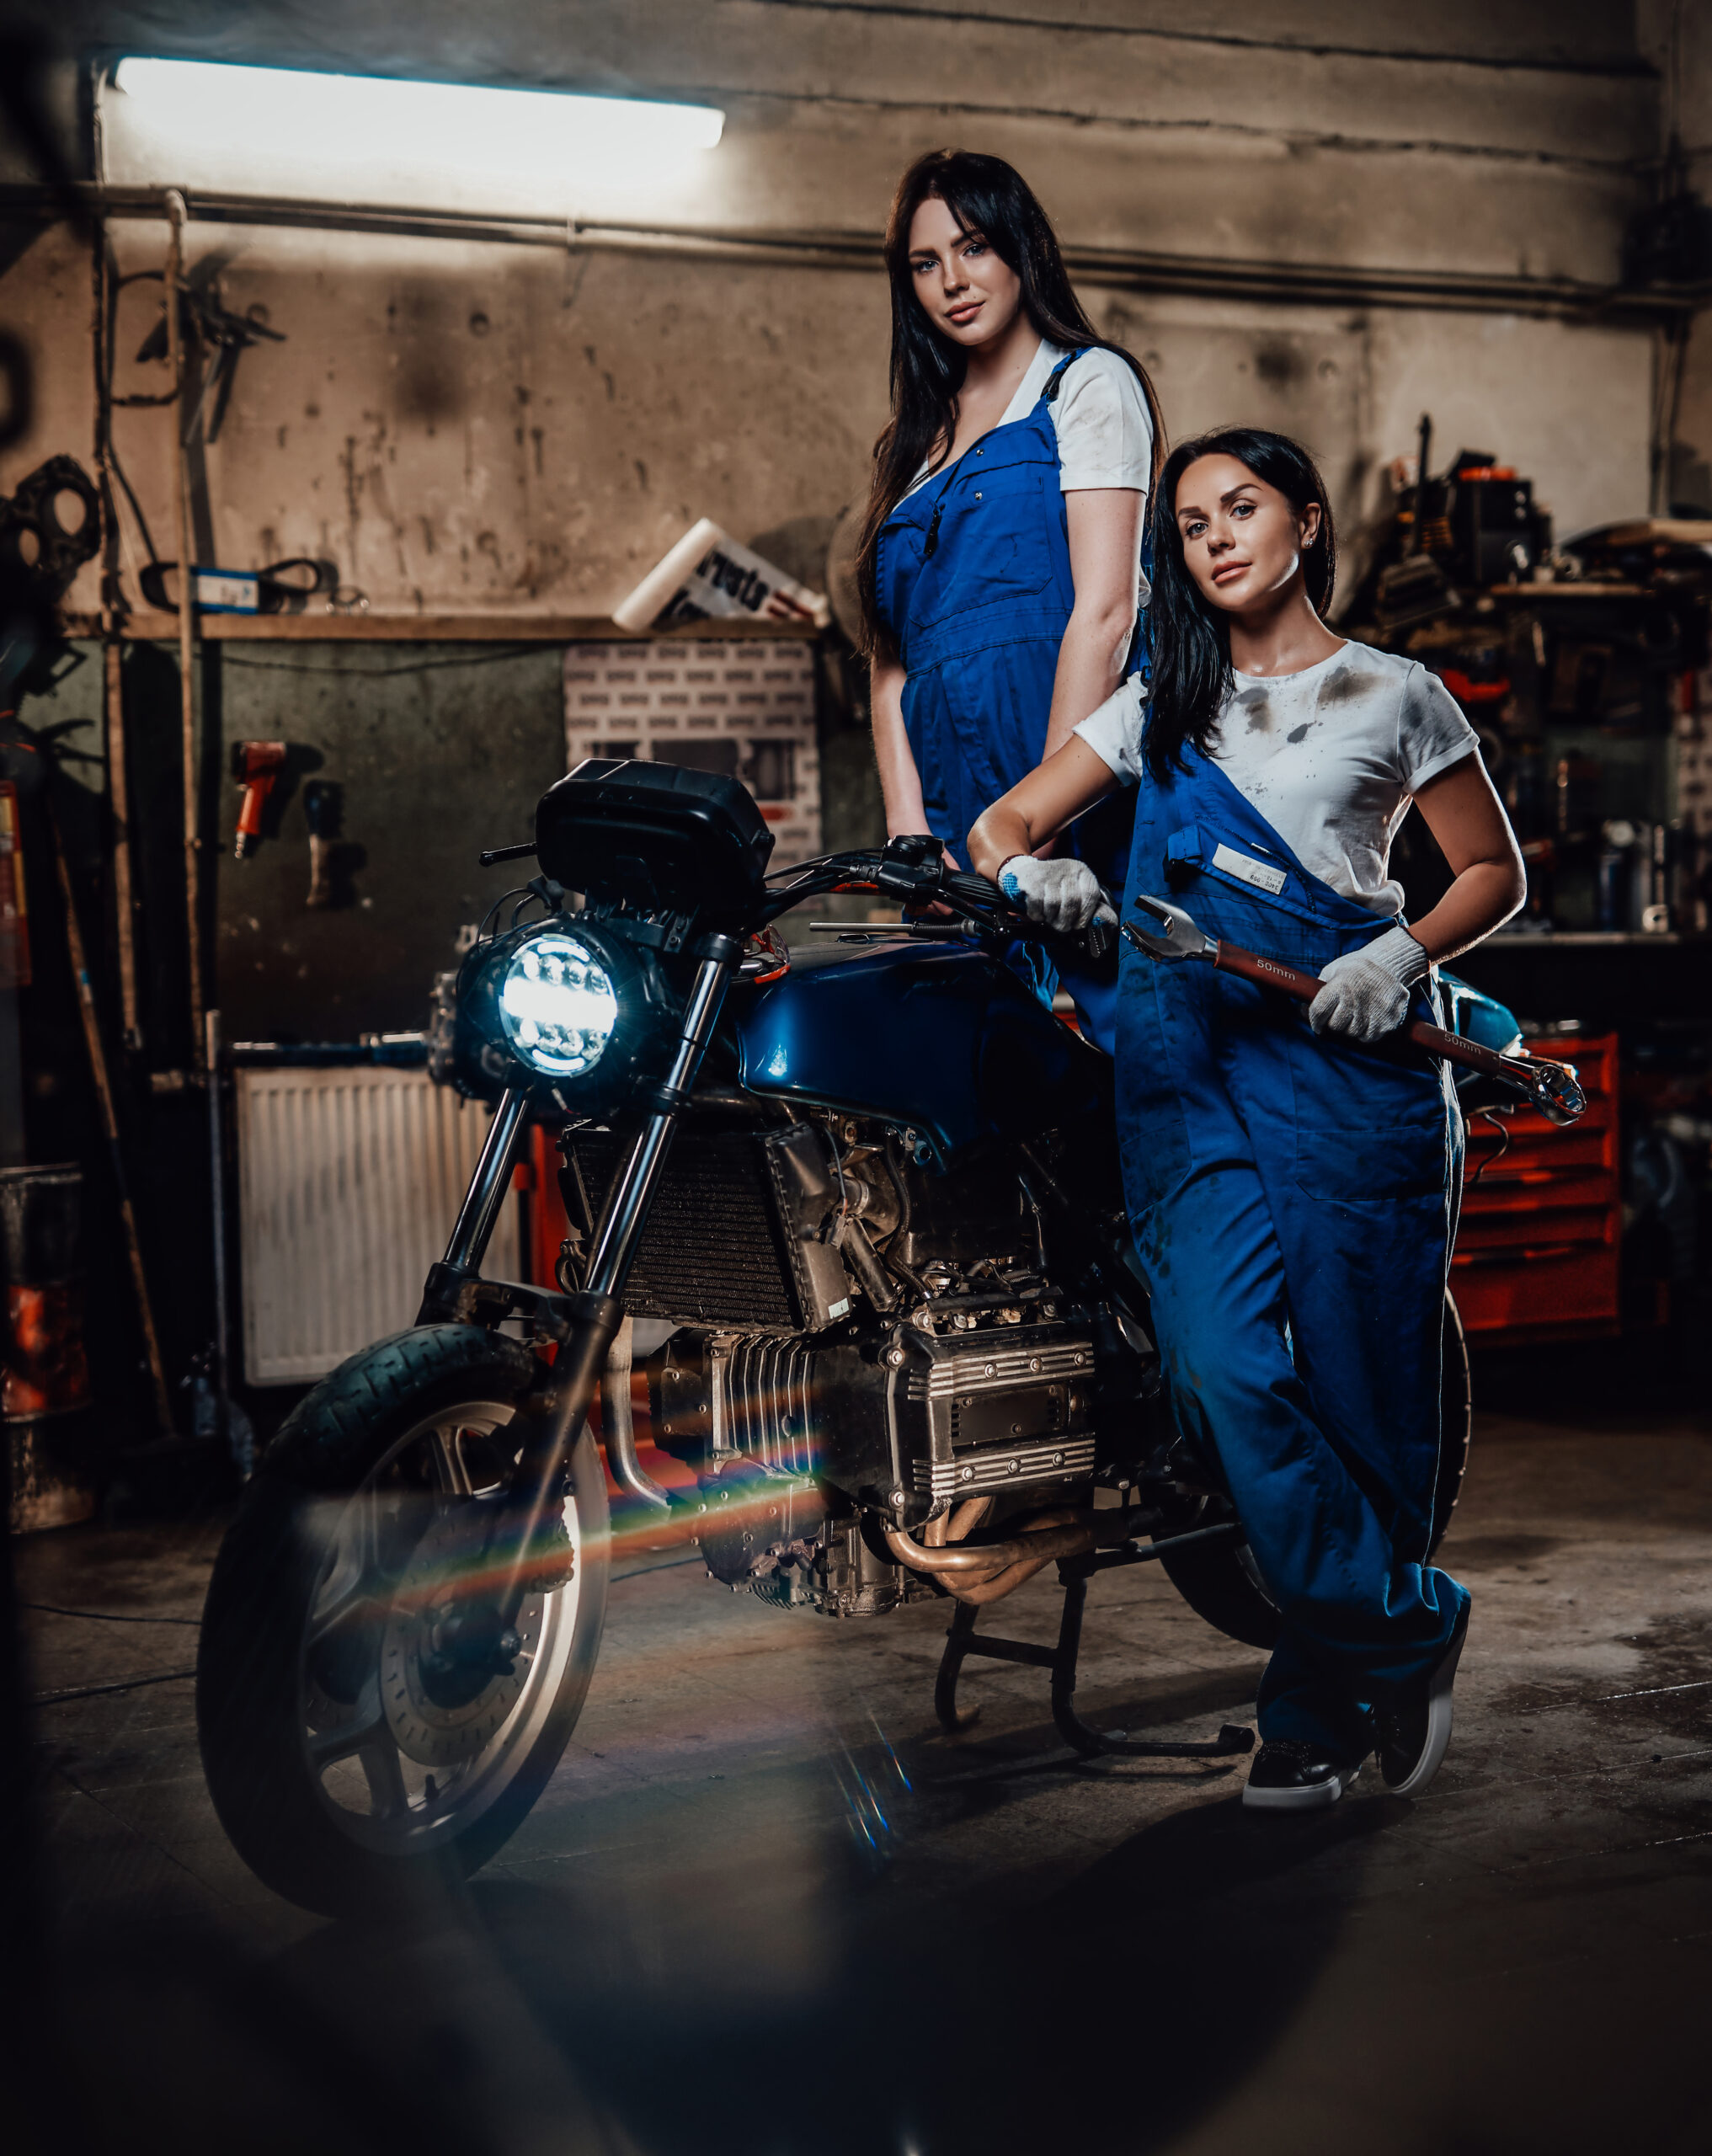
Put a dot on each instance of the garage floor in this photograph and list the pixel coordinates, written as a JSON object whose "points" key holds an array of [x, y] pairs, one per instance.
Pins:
{"points": [[765, 1906]]}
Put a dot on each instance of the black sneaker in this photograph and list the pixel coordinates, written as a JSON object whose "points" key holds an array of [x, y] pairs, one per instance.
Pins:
{"points": [[1414, 1734], [1288, 1775]]}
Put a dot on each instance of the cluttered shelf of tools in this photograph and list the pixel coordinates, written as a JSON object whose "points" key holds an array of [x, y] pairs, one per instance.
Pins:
{"points": [[1537, 1251], [412, 628]]}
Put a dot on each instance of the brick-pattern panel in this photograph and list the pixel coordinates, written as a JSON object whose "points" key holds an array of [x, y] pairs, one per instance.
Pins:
{"points": [[744, 708]]}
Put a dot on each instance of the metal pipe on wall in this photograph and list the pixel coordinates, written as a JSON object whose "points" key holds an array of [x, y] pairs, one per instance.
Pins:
{"points": [[177, 215], [1263, 281], [112, 652], [119, 804], [216, 1186]]}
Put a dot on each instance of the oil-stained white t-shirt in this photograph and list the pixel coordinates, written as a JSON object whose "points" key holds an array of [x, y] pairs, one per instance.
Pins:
{"points": [[1331, 757]]}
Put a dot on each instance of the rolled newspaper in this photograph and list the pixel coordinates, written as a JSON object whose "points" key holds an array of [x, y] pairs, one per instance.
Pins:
{"points": [[707, 576]]}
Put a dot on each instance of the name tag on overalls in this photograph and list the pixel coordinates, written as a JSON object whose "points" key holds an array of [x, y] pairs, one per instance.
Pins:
{"points": [[1247, 870]]}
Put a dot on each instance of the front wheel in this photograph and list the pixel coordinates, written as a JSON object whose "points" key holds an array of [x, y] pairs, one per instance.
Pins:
{"points": [[1223, 1584], [355, 1757]]}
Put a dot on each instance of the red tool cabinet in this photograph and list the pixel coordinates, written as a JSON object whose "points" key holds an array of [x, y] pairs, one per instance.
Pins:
{"points": [[1537, 1253]]}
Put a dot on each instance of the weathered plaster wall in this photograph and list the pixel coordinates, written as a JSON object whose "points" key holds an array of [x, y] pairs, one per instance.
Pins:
{"points": [[485, 428], [482, 426], [1675, 36], [493, 428]]}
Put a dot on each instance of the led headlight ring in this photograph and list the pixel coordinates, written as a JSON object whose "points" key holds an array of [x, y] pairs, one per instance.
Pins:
{"points": [[557, 1005]]}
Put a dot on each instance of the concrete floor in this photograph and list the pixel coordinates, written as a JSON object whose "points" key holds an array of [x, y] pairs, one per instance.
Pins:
{"points": [[765, 1906]]}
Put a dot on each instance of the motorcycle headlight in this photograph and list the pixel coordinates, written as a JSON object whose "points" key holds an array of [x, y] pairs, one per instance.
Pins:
{"points": [[557, 1006], [573, 1007]]}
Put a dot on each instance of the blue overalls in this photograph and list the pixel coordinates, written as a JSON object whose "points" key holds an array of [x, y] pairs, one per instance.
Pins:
{"points": [[1293, 1204], [974, 579]]}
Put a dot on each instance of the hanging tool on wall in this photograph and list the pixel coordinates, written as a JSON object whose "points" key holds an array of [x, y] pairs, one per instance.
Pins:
{"points": [[256, 765], [323, 804], [49, 525], [281, 588], [224, 336]]}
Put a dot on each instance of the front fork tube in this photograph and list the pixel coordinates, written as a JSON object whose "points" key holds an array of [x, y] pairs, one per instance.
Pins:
{"points": [[482, 1201], [599, 1309]]}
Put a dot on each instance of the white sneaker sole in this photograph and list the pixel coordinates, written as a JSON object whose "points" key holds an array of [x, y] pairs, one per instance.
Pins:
{"points": [[1440, 1707], [1321, 1797]]}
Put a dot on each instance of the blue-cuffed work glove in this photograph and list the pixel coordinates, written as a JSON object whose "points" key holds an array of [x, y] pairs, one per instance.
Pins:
{"points": [[1365, 994], [1063, 895]]}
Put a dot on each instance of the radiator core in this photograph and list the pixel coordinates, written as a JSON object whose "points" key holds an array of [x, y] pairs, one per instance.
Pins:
{"points": [[349, 1180]]}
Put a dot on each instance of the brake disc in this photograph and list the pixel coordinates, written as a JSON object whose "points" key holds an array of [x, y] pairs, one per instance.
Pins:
{"points": [[435, 1722]]}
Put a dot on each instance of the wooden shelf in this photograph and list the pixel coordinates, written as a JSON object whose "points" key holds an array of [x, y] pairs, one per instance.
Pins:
{"points": [[1587, 589], [417, 628], [1587, 939]]}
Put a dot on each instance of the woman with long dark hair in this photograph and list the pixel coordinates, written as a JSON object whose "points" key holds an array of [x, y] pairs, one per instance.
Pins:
{"points": [[1001, 561], [1292, 1189]]}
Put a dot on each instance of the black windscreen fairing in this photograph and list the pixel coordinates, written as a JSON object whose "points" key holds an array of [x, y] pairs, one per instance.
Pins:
{"points": [[659, 836]]}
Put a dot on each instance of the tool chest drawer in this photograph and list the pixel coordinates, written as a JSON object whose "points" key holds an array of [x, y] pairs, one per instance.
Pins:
{"points": [[1537, 1251]]}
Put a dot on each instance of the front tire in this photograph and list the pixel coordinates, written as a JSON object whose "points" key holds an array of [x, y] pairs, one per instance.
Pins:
{"points": [[353, 1764], [1223, 1584]]}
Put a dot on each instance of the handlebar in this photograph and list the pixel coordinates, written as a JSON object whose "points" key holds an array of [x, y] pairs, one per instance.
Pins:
{"points": [[913, 871]]}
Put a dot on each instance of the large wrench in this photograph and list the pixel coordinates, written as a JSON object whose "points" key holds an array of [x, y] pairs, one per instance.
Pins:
{"points": [[1169, 934]]}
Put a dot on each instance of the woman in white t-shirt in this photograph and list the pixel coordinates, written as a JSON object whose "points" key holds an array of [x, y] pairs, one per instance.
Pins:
{"points": [[1001, 557], [1292, 1189]]}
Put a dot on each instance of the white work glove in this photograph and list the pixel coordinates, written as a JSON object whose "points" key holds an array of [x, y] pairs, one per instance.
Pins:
{"points": [[1063, 895], [1365, 994]]}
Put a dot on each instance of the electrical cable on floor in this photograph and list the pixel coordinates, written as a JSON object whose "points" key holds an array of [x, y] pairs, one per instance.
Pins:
{"points": [[93, 1691], [636, 1570], [170, 1676], [106, 1616]]}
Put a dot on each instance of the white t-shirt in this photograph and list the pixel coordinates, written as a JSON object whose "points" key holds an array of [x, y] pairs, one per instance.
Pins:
{"points": [[1332, 757], [1104, 430]]}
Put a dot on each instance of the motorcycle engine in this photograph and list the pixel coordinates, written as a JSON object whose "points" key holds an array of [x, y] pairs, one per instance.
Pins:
{"points": [[858, 1343], [795, 1439]]}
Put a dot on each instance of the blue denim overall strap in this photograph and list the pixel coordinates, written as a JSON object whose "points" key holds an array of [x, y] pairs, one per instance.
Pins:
{"points": [[1293, 1205], [974, 579]]}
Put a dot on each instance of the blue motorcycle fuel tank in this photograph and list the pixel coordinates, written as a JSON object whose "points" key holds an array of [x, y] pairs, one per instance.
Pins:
{"points": [[947, 1041], [941, 1039]]}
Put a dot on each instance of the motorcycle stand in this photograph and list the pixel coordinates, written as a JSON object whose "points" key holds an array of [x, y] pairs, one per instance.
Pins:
{"points": [[1074, 1575]]}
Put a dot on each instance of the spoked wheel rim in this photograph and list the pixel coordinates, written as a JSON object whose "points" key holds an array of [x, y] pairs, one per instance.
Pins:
{"points": [[404, 1747]]}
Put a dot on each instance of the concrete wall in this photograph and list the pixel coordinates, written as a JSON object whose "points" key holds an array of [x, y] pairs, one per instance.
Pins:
{"points": [[486, 427], [1675, 36]]}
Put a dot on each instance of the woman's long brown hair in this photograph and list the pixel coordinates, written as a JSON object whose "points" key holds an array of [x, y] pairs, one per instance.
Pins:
{"points": [[986, 196]]}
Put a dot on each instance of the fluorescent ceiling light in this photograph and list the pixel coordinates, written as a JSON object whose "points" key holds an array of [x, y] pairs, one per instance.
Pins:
{"points": [[209, 123]]}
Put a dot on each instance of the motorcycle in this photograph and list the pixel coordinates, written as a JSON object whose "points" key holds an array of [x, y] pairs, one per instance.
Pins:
{"points": [[863, 1204]]}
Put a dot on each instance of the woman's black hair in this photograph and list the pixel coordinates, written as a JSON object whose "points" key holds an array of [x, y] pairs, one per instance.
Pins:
{"points": [[986, 196], [1190, 638]]}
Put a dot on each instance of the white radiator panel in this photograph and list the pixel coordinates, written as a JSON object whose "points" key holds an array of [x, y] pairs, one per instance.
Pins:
{"points": [[348, 1182]]}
